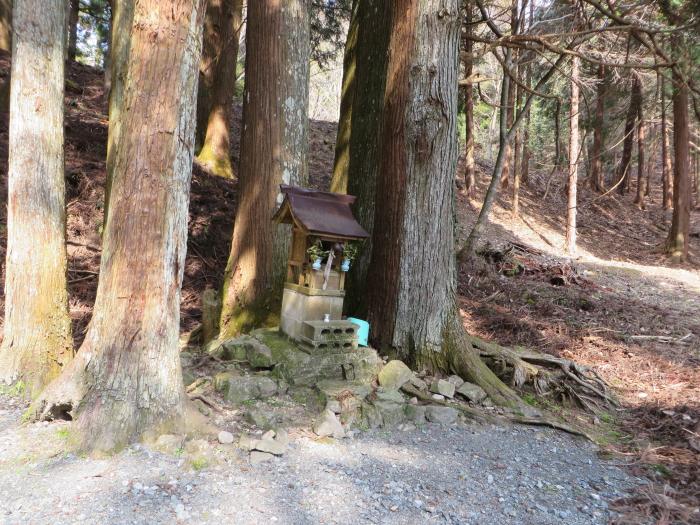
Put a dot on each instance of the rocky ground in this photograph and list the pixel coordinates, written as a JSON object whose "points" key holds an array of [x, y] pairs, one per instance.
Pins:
{"points": [[459, 473]]}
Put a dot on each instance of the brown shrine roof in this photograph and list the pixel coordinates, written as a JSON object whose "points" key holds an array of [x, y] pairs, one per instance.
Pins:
{"points": [[319, 212]]}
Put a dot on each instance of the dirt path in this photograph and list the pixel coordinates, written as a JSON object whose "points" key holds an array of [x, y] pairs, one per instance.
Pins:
{"points": [[457, 474]]}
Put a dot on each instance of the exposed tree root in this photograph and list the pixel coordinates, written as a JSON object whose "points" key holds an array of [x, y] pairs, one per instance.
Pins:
{"points": [[547, 375]]}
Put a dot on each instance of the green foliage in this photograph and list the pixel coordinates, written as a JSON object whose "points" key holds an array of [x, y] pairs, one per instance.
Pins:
{"points": [[199, 463], [16, 389]]}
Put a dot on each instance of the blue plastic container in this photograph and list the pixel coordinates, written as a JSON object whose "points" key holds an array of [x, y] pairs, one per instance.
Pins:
{"points": [[362, 332]]}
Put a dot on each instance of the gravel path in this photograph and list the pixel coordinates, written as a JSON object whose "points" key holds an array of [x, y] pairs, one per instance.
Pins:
{"points": [[461, 474]]}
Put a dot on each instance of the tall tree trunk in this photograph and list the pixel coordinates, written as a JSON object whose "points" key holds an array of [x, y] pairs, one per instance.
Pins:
{"points": [[6, 25], [411, 290], [341, 164], [107, 60], [122, 18], [572, 182], [222, 28], [624, 168], [469, 169], [37, 335], [641, 165], [597, 179], [365, 136], [73, 17], [126, 381], [517, 143], [510, 106], [274, 149], [677, 243], [666, 167]]}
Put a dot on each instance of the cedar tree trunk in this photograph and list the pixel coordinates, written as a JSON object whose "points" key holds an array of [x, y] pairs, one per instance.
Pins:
{"points": [[666, 166], [677, 242], [365, 136], [37, 335], [126, 381], [274, 149], [341, 163], [572, 181], [624, 168], [222, 28], [411, 289], [597, 179], [73, 17], [469, 171]]}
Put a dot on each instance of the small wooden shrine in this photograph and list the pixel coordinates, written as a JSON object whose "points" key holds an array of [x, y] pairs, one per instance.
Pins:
{"points": [[324, 241]]}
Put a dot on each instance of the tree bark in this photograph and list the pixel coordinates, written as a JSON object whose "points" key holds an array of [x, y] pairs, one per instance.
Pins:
{"points": [[641, 165], [666, 167], [126, 381], [122, 18], [37, 335], [597, 179], [6, 25], [624, 168], [274, 149], [572, 181], [73, 17], [365, 136], [517, 144], [341, 163], [469, 171], [411, 290], [222, 28], [678, 236]]}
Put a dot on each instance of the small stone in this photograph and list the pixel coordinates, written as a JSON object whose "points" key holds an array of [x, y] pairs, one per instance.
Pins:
{"points": [[489, 479], [394, 375], [168, 443], [440, 414], [282, 437], [413, 401], [259, 355], [329, 425], [257, 418], [270, 434], [456, 381], [334, 406], [438, 397], [471, 392], [225, 438], [442, 387], [260, 457]]}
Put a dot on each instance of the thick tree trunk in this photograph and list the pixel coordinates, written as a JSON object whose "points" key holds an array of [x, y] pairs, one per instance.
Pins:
{"points": [[623, 175], [73, 17], [517, 144], [122, 18], [469, 168], [572, 181], [365, 137], [341, 164], [126, 381], [37, 336], [6, 25], [274, 149], [666, 167], [222, 28], [411, 290], [597, 179], [677, 242]]}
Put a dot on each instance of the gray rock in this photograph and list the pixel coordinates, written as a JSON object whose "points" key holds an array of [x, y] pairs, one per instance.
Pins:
{"points": [[282, 437], [394, 375], [329, 425], [419, 383], [225, 438], [472, 392], [258, 418], [235, 349], [334, 406], [259, 355], [188, 377], [270, 445], [442, 415], [257, 457], [442, 387], [237, 389], [456, 381], [415, 414], [245, 442], [169, 443], [371, 416]]}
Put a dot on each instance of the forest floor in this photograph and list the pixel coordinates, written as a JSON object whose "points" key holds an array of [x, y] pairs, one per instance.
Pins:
{"points": [[619, 307]]}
